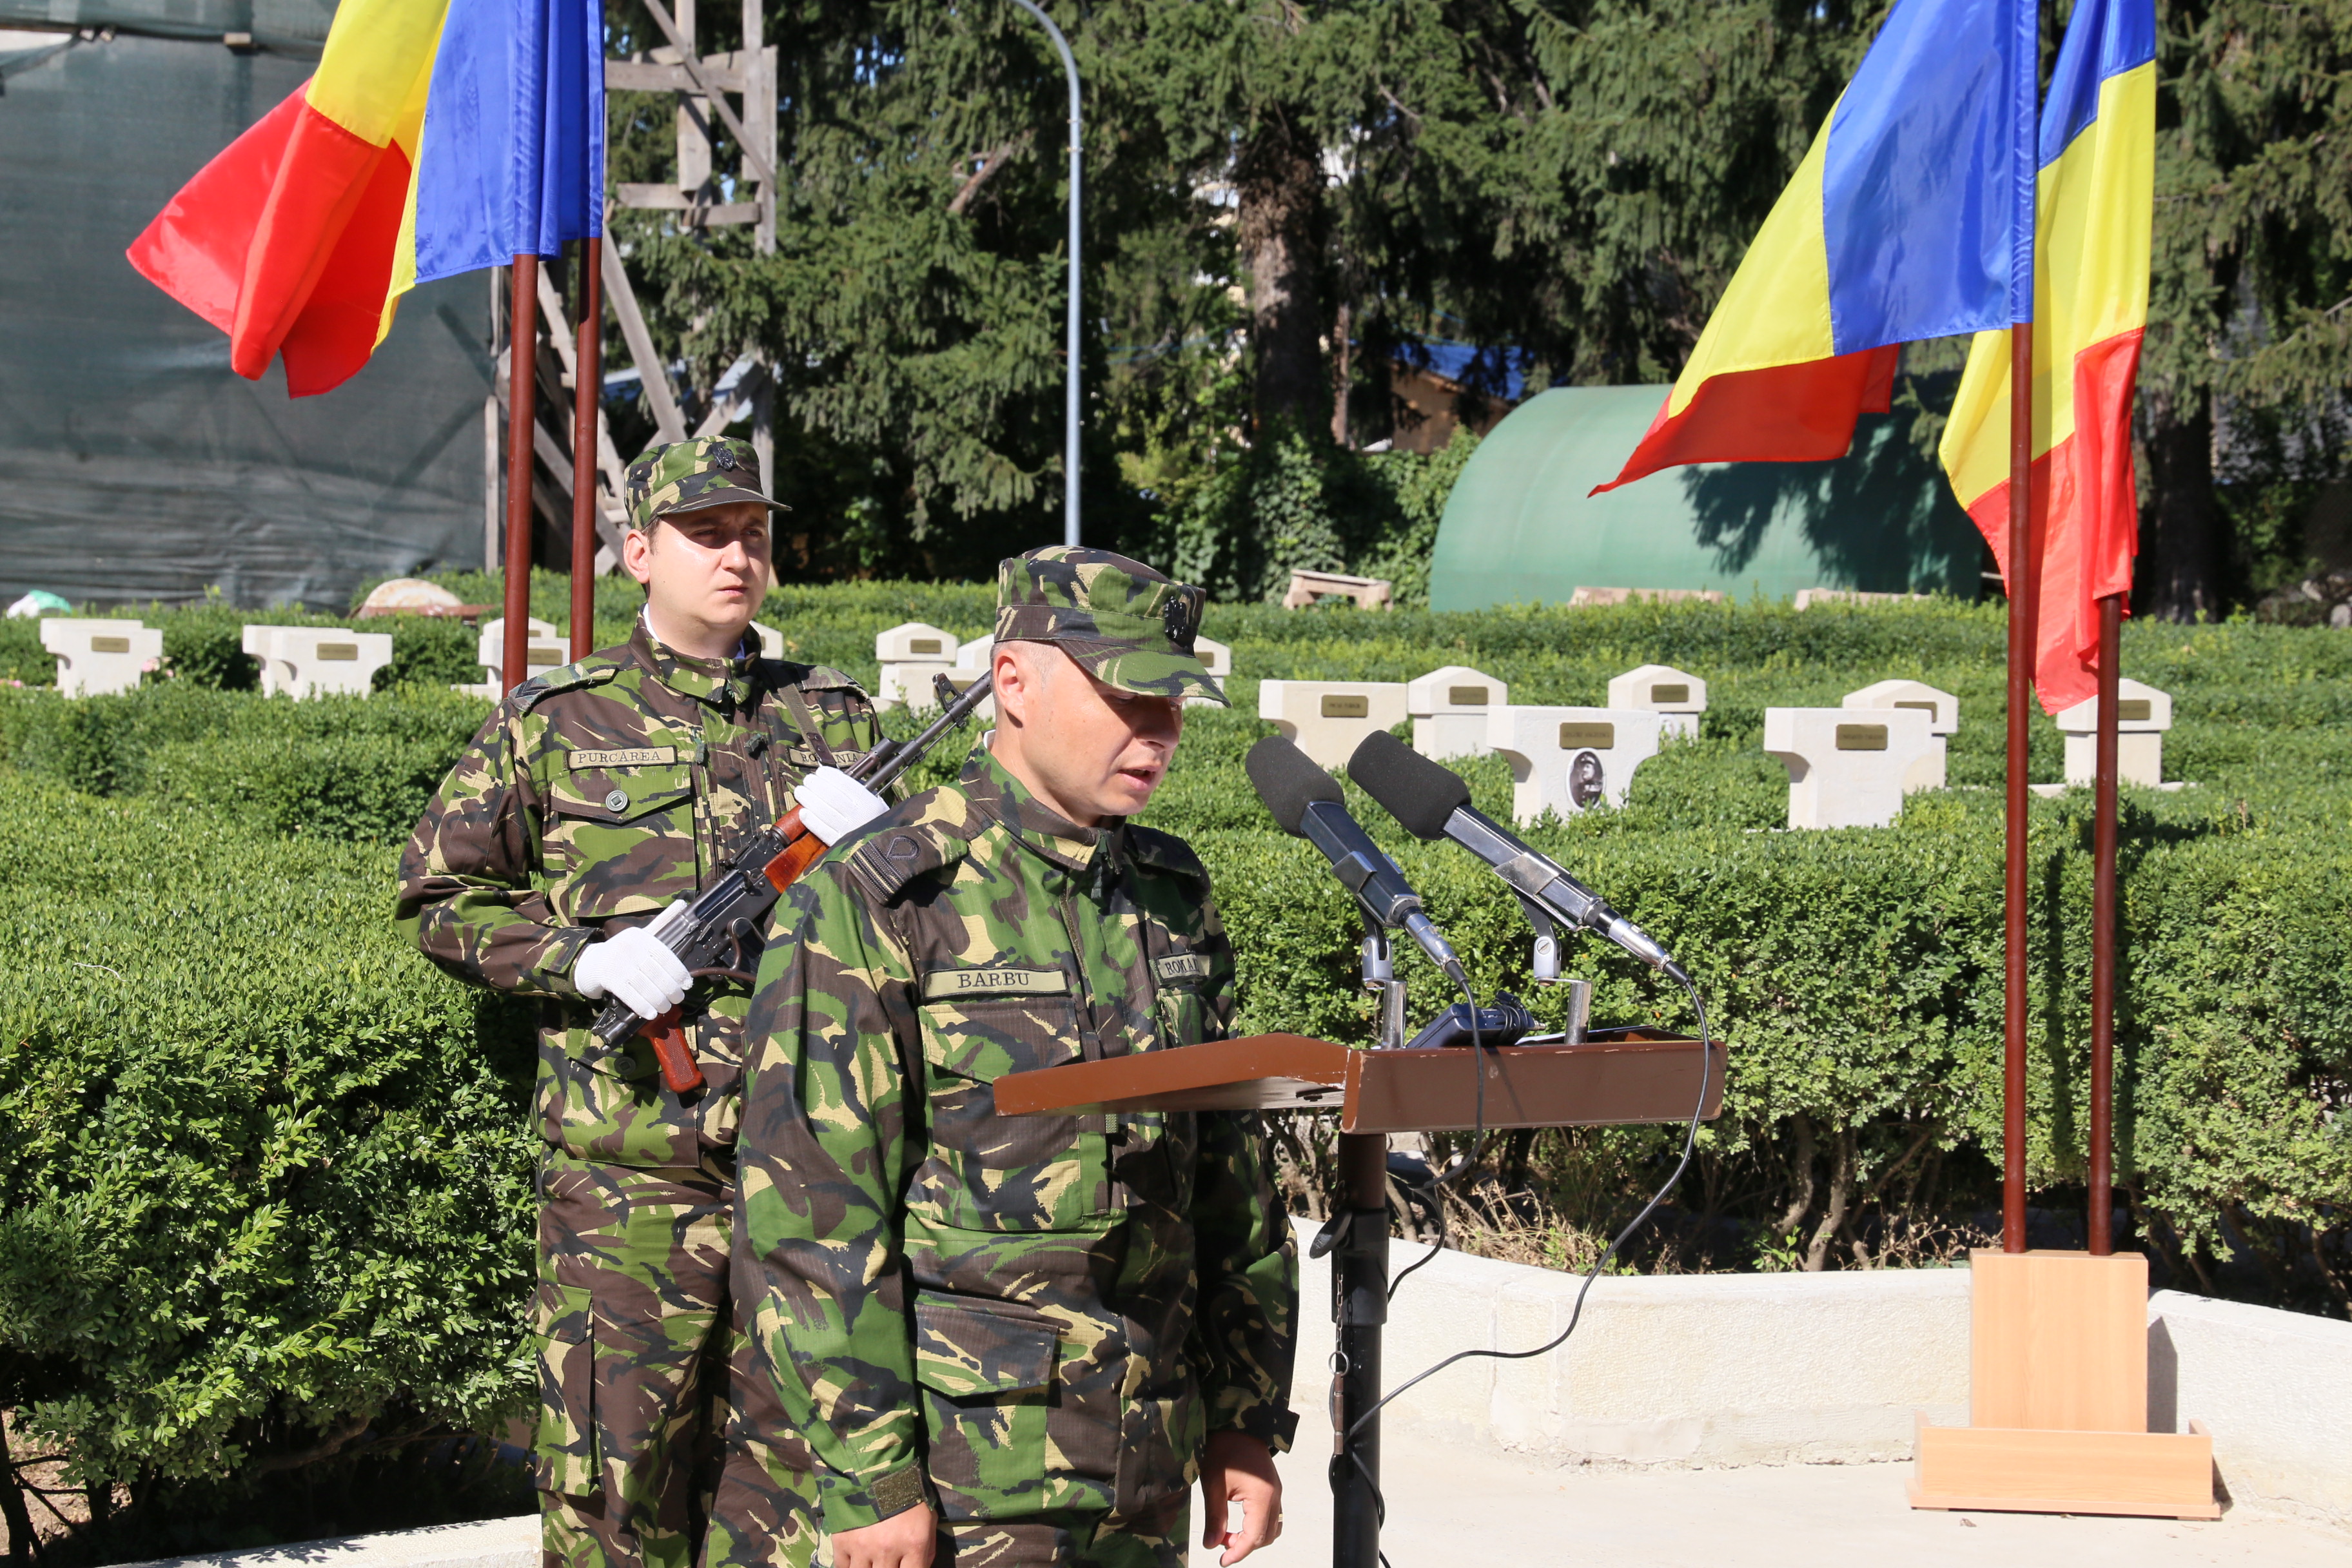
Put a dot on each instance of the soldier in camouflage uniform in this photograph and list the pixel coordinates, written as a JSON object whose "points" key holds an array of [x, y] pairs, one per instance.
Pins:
{"points": [[1014, 1340], [595, 795]]}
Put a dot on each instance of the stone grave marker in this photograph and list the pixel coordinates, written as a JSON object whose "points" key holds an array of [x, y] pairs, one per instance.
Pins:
{"points": [[96, 656], [1662, 689], [2142, 716], [314, 661], [542, 652], [1220, 660], [911, 654], [1329, 719], [1943, 710], [1564, 760], [1449, 708], [1847, 766]]}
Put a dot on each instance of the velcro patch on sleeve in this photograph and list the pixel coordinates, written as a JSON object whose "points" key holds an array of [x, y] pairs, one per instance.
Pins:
{"points": [[625, 757], [1179, 966], [948, 984]]}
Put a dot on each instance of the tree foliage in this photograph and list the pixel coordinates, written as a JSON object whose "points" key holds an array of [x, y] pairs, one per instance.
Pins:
{"points": [[1286, 199]]}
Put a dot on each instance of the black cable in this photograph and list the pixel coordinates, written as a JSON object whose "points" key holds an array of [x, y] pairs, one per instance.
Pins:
{"points": [[1690, 1144], [1478, 1137]]}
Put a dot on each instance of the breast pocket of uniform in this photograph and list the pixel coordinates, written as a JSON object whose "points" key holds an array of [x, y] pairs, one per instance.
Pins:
{"points": [[1005, 1173], [1179, 1010], [620, 839]]}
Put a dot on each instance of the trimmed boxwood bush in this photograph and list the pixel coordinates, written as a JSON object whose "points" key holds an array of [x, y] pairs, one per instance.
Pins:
{"points": [[266, 1172]]}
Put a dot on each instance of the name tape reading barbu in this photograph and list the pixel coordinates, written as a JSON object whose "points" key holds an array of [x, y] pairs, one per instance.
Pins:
{"points": [[947, 985], [624, 757]]}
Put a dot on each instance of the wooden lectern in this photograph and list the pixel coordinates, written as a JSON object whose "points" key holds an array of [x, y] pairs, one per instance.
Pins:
{"points": [[1610, 1077]]}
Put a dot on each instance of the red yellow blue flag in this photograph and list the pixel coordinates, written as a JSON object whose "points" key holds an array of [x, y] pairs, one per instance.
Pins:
{"points": [[1908, 218], [2097, 204], [433, 138]]}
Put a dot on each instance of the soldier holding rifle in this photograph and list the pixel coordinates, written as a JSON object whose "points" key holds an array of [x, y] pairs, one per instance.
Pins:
{"points": [[1012, 1340], [595, 796]]}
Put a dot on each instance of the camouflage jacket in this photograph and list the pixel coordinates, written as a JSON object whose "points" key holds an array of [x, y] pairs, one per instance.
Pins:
{"points": [[1035, 1312], [594, 796]]}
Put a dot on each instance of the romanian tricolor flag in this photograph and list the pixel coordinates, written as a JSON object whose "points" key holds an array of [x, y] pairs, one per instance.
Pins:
{"points": [[2097, 200], [433, 141], [1905, 220]]}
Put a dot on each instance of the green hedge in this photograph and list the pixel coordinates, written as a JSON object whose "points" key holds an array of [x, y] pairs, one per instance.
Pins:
{"points": [[266, 1172], [267, 1175]]}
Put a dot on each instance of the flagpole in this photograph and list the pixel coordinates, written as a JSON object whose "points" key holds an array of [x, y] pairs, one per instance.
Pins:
{"points": [[587, 389], [522, 388], [2023, 585], [2103, 937], [2024, 592]]}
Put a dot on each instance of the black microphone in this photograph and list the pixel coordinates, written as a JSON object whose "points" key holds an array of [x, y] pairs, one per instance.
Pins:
{"points": [[1307, 801], [1433, 801]]}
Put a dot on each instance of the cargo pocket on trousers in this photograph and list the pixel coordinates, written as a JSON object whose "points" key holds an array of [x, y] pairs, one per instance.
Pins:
{"points": [[564, 1458], [987, 1372]]}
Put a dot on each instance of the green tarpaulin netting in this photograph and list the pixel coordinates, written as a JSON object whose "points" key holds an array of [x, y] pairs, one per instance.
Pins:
{"points": [[133, 464]]}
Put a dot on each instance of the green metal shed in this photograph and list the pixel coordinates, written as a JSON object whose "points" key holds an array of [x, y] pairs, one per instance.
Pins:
{"points": [[1520, 527]]}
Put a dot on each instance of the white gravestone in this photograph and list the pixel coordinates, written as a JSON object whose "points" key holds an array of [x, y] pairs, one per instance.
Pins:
{"points": [[1220, 660], [1565, 759], [911, 655], [314, 661], [1943, 710], [1328, 720], [542, 652], [1449, 708], [1847, 766], [96, 656], [2142, 716], [1662, 689]]}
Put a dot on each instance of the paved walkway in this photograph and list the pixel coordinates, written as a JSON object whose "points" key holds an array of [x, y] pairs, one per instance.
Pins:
{"points": [[1447, 1508]]}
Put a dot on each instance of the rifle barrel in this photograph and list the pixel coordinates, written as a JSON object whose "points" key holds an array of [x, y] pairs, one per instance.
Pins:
{"points": [[951, 716]]}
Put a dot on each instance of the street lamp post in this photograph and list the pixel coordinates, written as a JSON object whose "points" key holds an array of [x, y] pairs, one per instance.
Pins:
{"points": [[1070, 408]]}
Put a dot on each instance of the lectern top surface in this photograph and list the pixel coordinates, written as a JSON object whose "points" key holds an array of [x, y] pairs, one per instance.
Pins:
{"points": [[1620, 1076]]}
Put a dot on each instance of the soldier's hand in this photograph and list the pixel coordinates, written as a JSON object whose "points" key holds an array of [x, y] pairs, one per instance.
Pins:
{"points": [[1239, 1468], [902, 1541], [635, 967], [833, 805]]}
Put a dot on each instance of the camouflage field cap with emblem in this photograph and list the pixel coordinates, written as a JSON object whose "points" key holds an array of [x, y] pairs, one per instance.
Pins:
{"points": [[1128, 626], [686, 476]]}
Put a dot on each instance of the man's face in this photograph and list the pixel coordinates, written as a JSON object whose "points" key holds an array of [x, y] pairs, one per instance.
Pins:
{"points": [[1091, 750], [706, 569]]}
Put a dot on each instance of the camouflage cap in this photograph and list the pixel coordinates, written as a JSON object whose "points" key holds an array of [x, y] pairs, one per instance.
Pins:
{"points": [[686, 476], [1127, 625]]}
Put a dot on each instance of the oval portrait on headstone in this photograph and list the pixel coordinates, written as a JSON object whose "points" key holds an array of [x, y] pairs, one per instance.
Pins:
{"points": [[1585, 779]]}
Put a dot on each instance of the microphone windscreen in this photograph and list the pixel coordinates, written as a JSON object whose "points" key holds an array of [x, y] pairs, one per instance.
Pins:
{"points": [[1415, 791], [1288, 781]]}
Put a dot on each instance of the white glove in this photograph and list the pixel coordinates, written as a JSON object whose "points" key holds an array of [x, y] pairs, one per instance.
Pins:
{"points": [[635, 967], [834, 806]]}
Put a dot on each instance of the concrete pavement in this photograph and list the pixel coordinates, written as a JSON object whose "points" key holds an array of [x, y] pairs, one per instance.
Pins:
{"points": [[1450, 1508]]}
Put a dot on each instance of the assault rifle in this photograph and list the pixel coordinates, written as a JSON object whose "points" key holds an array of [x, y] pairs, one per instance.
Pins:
{"points": [[712, 933]]}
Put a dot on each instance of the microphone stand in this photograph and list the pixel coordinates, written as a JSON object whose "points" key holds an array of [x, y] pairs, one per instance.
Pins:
{"points": [[1357, 1238]]}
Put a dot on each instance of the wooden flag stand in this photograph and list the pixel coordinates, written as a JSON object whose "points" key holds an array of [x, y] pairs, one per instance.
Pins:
{"points": [[2058, 1339]]}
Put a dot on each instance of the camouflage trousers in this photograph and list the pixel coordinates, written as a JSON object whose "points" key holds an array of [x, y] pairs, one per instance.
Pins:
{"points": [[634, 1339], [785, 1532]]}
